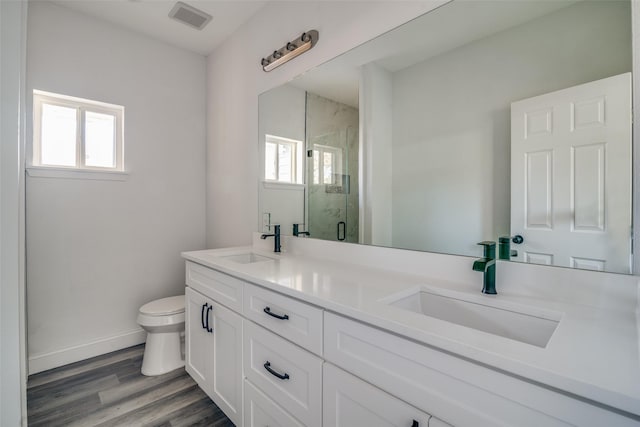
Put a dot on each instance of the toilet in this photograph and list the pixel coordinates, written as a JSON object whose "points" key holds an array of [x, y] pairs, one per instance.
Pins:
{"points": [[163, 319]]}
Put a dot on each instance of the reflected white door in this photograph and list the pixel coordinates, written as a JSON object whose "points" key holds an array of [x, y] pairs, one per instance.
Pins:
{"points": [[571, 176]]}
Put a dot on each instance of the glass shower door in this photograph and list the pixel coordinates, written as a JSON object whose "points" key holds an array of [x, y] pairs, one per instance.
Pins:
{"points": [[332, 203], [331, 197]]}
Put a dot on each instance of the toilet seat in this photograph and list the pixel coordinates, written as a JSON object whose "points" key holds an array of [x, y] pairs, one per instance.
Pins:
{"points": [[146, 320], [164, 306]]}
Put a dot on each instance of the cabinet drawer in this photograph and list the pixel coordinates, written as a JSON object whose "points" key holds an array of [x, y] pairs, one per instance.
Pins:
{"points": [[292, 319], [260, 411], [460, 392], [434, 422], [218, 286], [349, 401], [289, 375]]}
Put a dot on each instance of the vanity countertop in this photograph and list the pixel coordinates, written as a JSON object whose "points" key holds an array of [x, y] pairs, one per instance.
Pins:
{"points": [[593, 353]]}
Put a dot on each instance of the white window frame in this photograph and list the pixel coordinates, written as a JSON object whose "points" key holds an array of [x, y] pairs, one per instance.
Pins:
{"points": [[81, 106], [336, 163], [297, 152]]}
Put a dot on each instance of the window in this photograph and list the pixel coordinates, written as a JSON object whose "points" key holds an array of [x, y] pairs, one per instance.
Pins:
{"points": [[77, 133], [327, 164], [283, 159]]}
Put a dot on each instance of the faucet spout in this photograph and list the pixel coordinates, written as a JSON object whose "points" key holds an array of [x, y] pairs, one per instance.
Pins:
{"points": [[298, 233], [487, 265], [276, 238], [483, 264]]}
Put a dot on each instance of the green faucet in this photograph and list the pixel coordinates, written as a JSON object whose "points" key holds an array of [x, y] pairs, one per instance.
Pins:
{"points": [[487, 266]]}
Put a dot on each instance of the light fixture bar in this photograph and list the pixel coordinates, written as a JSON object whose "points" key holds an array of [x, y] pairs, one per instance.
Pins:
{"points": [[292, 49]]}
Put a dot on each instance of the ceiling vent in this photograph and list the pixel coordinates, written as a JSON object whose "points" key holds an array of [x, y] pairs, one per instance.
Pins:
{"points": [[190, 16]]}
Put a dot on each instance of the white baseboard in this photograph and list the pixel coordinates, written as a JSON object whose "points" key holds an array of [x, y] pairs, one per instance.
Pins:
{"points": [[54, 359]]}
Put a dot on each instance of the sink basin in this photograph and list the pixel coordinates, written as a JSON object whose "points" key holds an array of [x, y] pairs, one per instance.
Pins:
{"points": [[246, 258], [515, 324]]}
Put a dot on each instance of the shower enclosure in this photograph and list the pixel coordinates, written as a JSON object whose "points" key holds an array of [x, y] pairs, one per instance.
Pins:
{"points": [[331, 169]]}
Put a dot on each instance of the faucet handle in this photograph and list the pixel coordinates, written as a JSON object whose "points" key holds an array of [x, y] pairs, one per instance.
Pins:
{"points": [[489, 248]]}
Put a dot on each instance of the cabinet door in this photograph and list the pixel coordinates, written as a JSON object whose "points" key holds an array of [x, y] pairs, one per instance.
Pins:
{"points": [[349, 401], [198, 342], [213, 352], [226, 362]]}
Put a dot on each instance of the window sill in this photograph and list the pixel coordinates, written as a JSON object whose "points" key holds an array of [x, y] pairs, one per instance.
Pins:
{"points": [[274, 185], [49, 172]]}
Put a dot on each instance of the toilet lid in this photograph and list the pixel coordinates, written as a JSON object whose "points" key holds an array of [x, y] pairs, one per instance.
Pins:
{"points": [[164, 306]]}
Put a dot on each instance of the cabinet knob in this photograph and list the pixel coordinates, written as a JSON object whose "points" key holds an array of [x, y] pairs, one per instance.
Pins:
{"points": [[415, 424]]}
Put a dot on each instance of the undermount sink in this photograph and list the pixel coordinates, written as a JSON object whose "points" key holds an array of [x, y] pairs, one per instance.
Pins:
{"points": [[246, 258], [530, 328]]}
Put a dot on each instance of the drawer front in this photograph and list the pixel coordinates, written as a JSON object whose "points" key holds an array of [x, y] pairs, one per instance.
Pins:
{"points": [[260, 411], [459, 392], [297, 321], [218, 286], [434, 422], [289, 375], [349, 401]]}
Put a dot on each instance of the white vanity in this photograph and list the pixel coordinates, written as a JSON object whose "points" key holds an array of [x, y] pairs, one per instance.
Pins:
{"points": [[330, 334]]}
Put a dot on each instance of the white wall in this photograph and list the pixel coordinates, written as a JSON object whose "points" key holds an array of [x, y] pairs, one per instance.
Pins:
{"points": [[12, 366], [282, 113], [451, 120], [98, 250], [376, 125], [235, 78]]}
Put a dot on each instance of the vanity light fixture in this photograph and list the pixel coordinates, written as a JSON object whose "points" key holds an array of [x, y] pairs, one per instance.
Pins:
{"points": [[292, 49]]}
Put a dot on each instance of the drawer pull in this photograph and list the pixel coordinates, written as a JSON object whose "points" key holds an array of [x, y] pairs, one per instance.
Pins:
{"points": [[204, 307], [209, 328], [267, 366], [268, 311], [415, 424]]}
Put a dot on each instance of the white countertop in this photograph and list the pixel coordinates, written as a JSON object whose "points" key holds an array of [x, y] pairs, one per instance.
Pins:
{"points": [[593, 353]]}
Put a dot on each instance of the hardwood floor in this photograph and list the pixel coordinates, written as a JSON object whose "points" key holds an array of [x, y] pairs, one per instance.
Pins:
{"points": [[109, 390]]}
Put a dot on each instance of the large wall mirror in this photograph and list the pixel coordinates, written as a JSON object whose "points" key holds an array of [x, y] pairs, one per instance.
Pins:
{"points": [[477, 121]]}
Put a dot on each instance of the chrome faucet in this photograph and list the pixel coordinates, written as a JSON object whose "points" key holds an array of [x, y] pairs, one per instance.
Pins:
{"points": [[487, 266], [276, 238], [297, 232]]}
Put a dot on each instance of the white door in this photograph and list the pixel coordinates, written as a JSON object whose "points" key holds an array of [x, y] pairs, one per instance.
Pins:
{"points": [[349, 401], [571, 176]]}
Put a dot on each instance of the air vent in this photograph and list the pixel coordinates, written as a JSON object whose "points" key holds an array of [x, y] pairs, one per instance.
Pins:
{"points": [[189, 15]]}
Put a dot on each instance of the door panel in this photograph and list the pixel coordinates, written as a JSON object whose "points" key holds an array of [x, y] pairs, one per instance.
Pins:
{"points": [[571, 176]]}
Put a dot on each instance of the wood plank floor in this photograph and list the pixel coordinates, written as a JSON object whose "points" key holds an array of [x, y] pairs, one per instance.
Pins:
{"points": [[109, 390]]}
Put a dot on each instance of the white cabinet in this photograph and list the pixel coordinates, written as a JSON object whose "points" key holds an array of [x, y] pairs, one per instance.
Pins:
{"points": [[220, 287], [459, 391], [294, 320], [349, 401], [214, 352], [198, 343], [261, 411], [300, 365], [288, 374]]}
